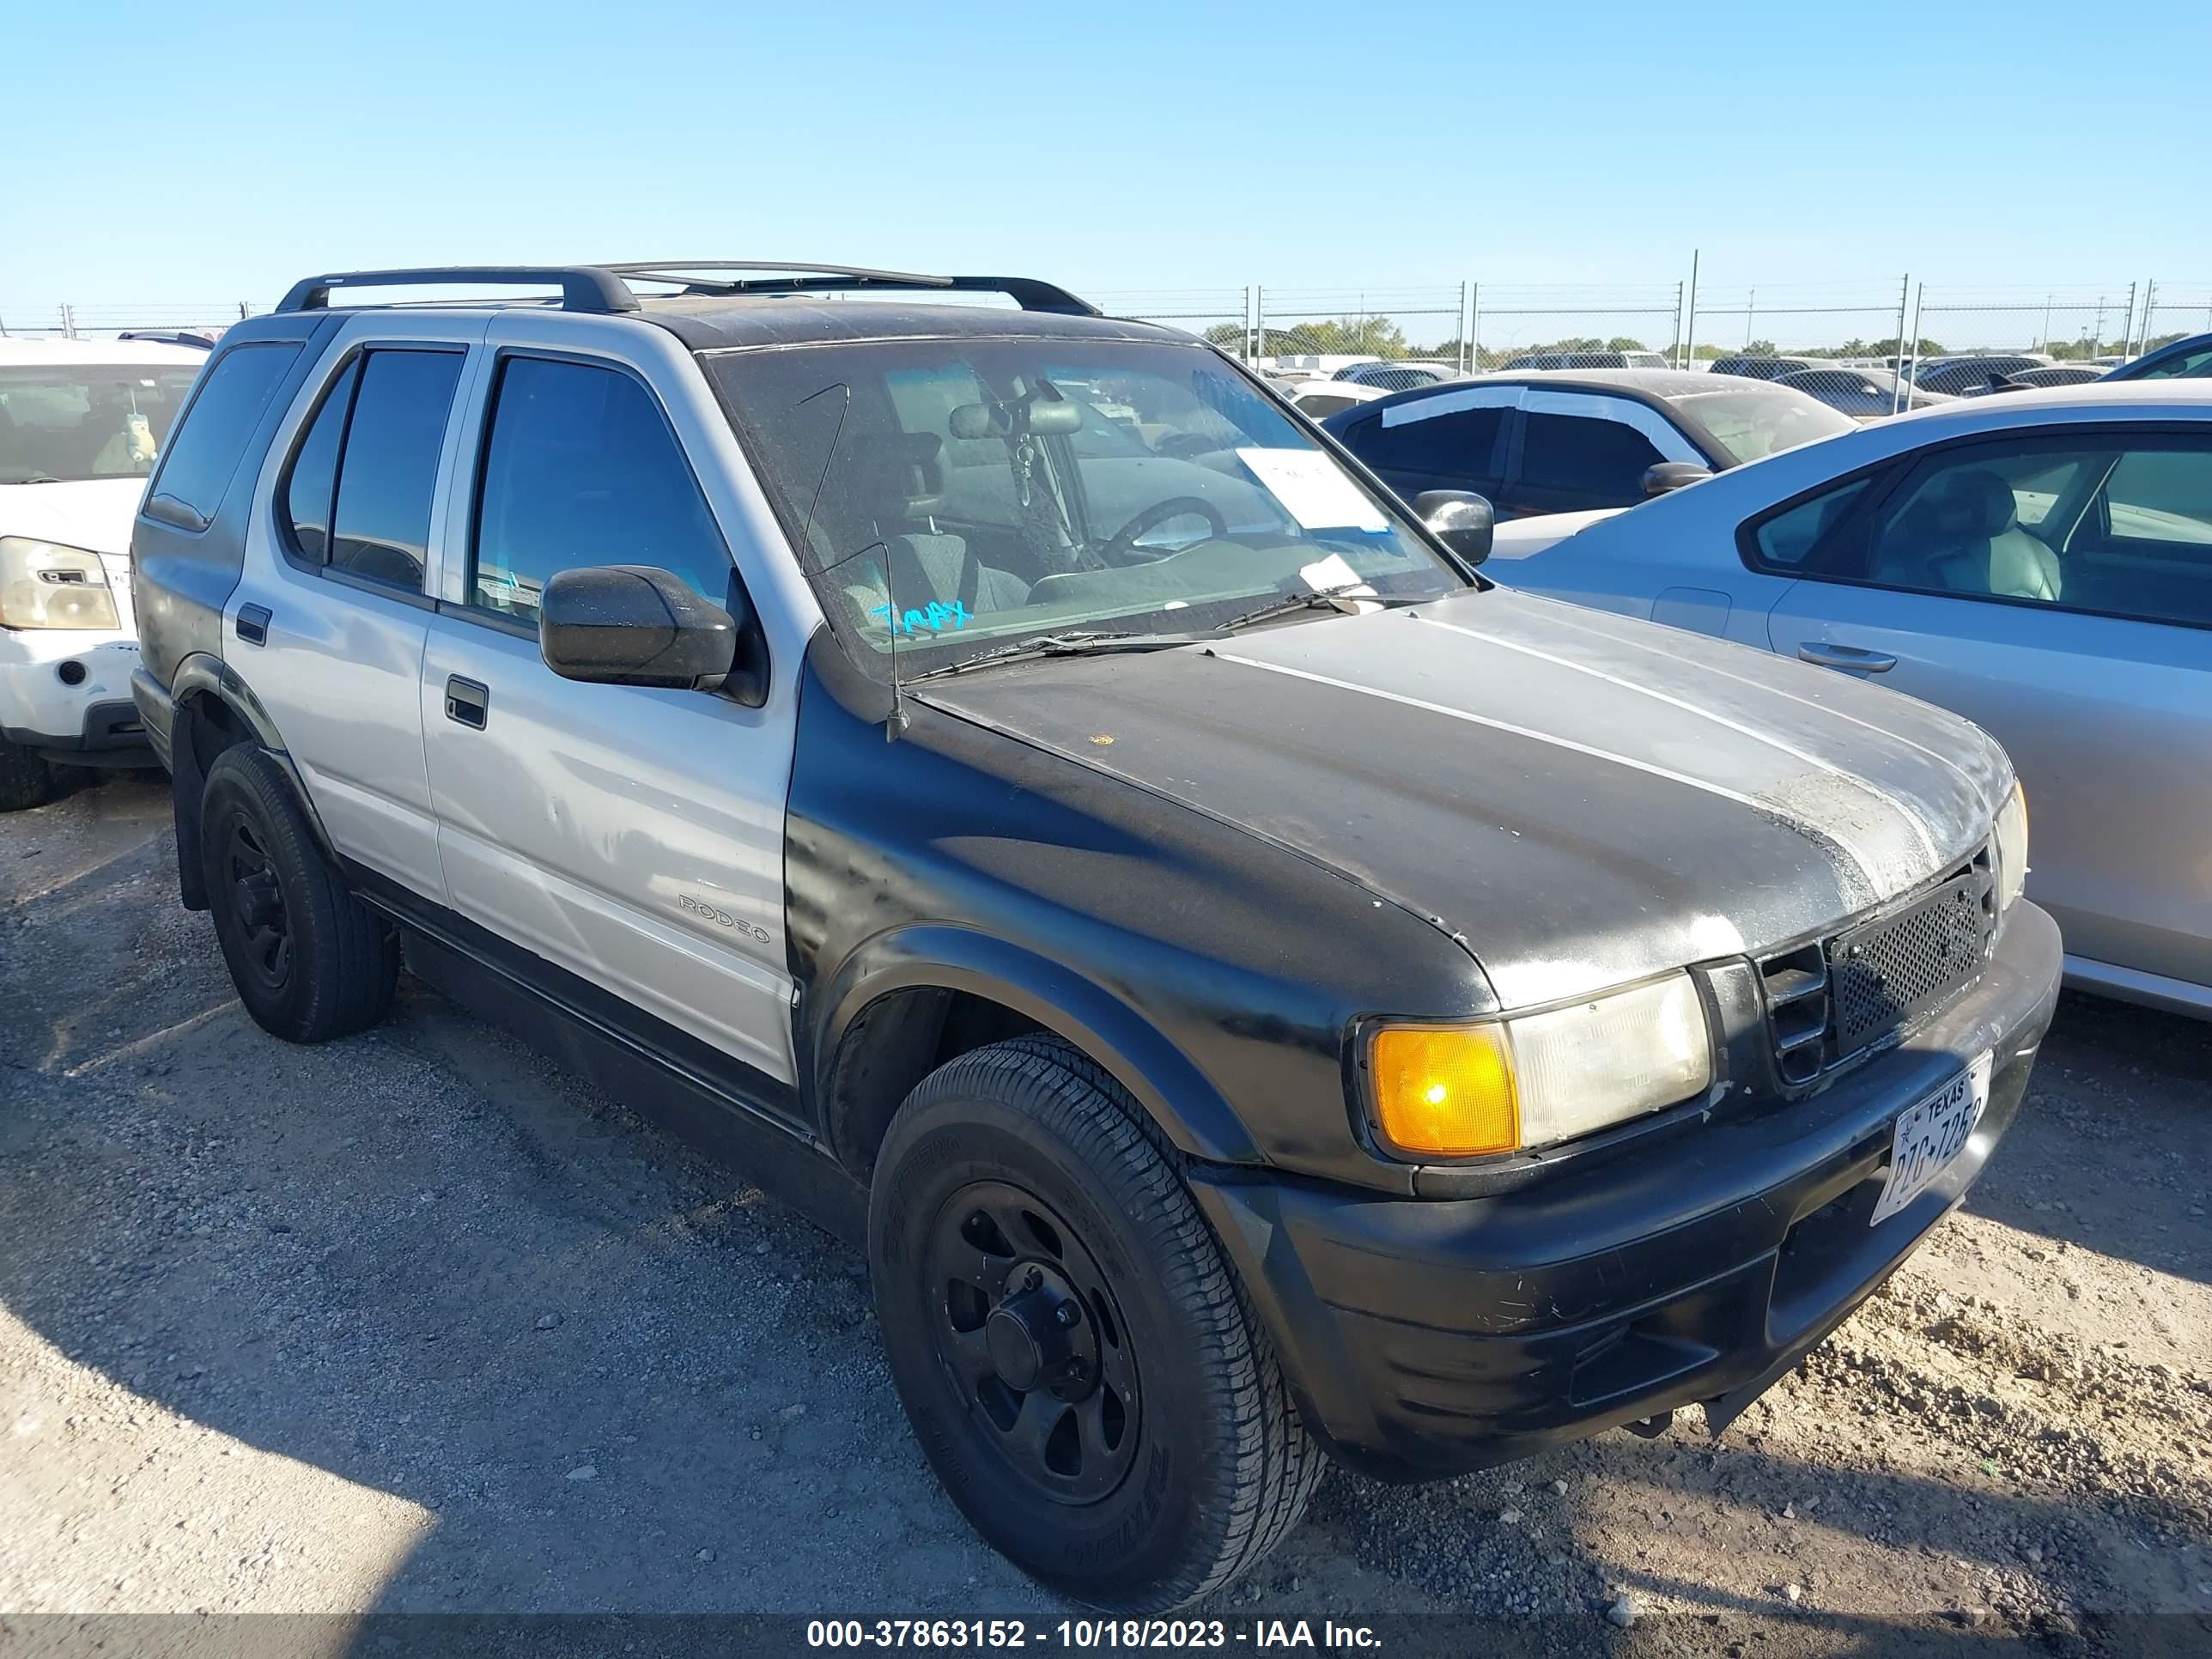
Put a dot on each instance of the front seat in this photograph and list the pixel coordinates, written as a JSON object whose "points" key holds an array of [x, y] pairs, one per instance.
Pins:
{"points": [[905, 470], [1968, 540]]}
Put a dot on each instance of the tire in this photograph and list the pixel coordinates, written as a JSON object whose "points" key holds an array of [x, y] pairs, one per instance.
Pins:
{"points": [[311, 962], [26, 780], [1025, 1159]]}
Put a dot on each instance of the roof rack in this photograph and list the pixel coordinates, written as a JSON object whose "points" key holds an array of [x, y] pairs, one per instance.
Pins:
{"points": [[583, 288], [603, 289]]}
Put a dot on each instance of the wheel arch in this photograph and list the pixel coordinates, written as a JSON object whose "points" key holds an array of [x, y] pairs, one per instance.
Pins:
{"points": [[912, 999], [216, 710]]}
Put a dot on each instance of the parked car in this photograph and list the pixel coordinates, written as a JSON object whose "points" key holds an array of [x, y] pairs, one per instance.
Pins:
{"points": [[1593, 359], [1254, 987], [2040, 562], [1400, 374], [1756, 366], [1565, 442], [2054, 374], [81, 423], [1317, 399], [1864, 394], [1973, 376], [2189, 359]]}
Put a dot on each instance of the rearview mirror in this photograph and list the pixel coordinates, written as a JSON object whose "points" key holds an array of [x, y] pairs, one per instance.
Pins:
{"points": [[635, 624], [1673, 475], [1460, 519]]}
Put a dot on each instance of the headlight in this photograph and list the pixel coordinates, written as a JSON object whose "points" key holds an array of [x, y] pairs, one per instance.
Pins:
{"points": [[46, 585], [1506, 1085], [2012, 848]]}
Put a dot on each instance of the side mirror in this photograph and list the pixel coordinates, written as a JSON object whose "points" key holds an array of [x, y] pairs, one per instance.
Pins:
{"points": [[1672, 474], [635, 624], [1460, 519]]}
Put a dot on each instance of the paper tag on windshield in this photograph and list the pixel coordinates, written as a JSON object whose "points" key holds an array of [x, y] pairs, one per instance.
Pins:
{"points": [[1333, 576], [1313, 490]]}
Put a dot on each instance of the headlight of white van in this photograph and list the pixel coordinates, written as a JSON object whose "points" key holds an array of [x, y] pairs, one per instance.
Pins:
{"points": [[2012, 848], [1506, 1085], [46, 585]]}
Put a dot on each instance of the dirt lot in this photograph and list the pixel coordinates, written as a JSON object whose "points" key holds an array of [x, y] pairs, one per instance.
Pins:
{"points": [[414, 1321]]}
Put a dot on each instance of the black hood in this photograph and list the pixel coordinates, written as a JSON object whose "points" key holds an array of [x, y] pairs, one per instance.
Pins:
{"points": [[1580, 798]]}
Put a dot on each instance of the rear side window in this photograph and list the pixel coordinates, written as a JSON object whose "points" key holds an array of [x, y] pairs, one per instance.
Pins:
{"points": [[1604, 460], [581, 469], [205, 450], [314, 476], [388, 467], [1455, 446]]}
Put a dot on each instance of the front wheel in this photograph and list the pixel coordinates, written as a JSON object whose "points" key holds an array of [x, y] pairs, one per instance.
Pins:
{"points": [[26, 780], [1079, 1362]]}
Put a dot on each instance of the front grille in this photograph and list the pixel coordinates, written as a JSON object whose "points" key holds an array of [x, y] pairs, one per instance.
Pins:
{"points": [[1831, 999]]}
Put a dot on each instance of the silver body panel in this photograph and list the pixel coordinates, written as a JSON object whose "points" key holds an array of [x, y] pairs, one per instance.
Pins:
{"points": [[2108, 721], [580, 818]]}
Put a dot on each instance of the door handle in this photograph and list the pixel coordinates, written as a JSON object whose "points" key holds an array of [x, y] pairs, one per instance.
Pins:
{"points": [[466, 701], [254, 624], [1849, 658]]}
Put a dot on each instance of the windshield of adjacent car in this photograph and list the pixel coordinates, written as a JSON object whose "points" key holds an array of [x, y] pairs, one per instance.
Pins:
{"points": [[1751, 421], [61, 423], [948, 495]]}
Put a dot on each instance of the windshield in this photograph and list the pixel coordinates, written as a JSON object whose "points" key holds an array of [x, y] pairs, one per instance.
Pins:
{"points": [[61, 423], [1748, 421], [950, 495]]}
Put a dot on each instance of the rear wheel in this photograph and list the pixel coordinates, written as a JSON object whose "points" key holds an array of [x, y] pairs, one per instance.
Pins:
{"points": [[1079, 1362], [26, 780], [311, 962]]}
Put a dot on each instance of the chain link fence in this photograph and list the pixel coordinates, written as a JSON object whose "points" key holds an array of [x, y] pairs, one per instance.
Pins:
{"points": [[1868, 347]]}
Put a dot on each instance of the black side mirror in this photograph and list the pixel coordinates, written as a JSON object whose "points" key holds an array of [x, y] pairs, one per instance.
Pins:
{"points": [[1672, 474], [1460, 519], [635, 624]]}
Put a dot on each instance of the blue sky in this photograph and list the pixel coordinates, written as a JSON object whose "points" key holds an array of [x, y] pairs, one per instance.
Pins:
{"points": [[218, 150]]}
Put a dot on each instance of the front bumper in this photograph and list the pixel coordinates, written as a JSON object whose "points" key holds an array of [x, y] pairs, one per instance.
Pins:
{"points": [[90, 722], [1423, 1338]]}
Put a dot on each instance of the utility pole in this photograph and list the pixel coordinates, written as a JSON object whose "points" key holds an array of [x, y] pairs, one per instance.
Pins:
{"points": [[1690, 331]]}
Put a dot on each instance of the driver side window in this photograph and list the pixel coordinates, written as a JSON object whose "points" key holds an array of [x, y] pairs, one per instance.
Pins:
{"points": [[581, 469]]}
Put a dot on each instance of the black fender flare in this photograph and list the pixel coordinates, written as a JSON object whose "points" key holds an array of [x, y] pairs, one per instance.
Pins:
{"points": [[943, 956]]}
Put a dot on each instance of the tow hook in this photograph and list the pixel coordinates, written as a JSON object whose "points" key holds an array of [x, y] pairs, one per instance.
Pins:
{"points": [[1650, 1428]]}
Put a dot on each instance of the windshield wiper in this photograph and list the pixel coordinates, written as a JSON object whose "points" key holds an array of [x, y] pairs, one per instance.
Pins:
{"points": [[1313, 599], [1086, 643]]}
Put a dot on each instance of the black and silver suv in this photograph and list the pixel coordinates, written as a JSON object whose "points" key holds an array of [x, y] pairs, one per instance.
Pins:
{"points": [[1256, 988]]}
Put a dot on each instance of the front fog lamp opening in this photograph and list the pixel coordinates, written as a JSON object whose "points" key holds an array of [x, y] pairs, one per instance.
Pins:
{"points": [[1534, 1080]]}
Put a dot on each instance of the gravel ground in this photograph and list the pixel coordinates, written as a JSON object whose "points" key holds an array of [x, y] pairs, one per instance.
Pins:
{"points": [[416, 1321]]}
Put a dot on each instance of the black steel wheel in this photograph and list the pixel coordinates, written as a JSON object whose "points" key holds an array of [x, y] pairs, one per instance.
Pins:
{"points": [[1080, 1365], [1029, 1329], [310, 960]]}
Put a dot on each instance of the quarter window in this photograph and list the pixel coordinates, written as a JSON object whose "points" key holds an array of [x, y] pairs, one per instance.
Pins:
{"points": [[207, 448], [314, 474], [388, 471], [581, 470]]}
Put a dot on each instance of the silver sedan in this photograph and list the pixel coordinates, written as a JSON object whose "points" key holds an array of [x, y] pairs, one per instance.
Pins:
{"points": [[2040, 562]]}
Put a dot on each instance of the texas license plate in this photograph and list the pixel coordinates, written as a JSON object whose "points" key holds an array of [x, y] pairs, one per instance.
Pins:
{"points": [[1930, 1135]]}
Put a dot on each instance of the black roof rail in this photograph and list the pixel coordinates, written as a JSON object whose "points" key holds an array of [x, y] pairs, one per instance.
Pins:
{"points": [[1030, 293], [583, 288], [602, 288]]}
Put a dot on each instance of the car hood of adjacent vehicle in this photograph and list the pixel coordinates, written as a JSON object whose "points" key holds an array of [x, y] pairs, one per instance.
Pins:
{"points": [[1580, 798], [94, 514]]}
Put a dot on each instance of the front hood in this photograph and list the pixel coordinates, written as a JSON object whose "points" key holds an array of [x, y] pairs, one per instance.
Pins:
{"points": [[95, 513], [1581, 799]]}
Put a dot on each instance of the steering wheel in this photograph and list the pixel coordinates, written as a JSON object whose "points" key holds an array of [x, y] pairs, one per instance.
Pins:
{"points": [[1122, 549]]}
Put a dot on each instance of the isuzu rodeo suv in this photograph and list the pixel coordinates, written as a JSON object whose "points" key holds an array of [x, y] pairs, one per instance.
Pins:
{"points": [[1256, 988]]}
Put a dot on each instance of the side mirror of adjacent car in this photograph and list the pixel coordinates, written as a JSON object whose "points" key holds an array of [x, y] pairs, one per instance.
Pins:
{"points": [[636, 625], [1460, 519], [1672, 474]]}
